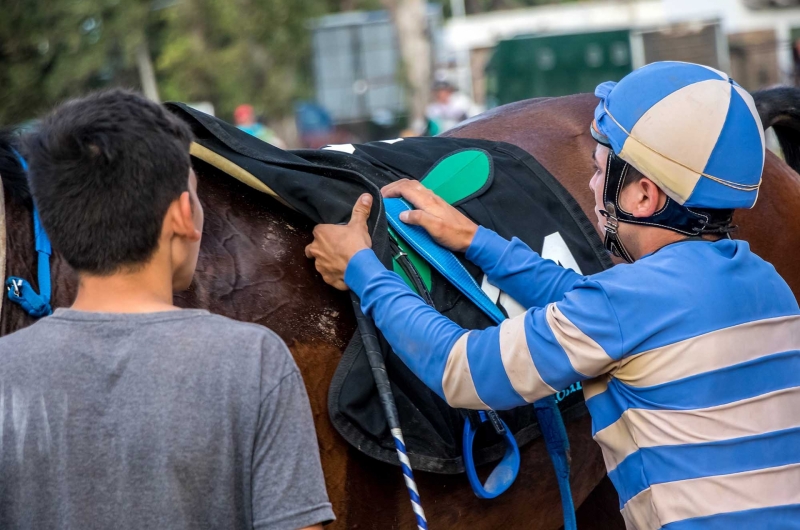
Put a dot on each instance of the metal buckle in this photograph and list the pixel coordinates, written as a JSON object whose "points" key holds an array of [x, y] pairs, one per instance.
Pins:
{"points": [[15, 284], [610, 213]]}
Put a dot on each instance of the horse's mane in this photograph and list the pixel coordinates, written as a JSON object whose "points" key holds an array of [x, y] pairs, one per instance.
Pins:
{"points": [[15, 182]]}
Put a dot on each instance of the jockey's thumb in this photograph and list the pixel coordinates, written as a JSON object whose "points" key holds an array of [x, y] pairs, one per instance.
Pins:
{"points": [[361, 210]]}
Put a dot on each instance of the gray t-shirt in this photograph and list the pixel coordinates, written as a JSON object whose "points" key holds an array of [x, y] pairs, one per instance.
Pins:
{"points": [[170, 420]]}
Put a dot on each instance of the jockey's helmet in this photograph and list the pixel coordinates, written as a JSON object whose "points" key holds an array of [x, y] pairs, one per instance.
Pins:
{"points": [[691, 129]]}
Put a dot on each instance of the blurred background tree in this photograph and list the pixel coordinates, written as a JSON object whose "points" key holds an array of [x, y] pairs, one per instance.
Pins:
{"points": [[222, 51], [50, 50], [225, 52]]}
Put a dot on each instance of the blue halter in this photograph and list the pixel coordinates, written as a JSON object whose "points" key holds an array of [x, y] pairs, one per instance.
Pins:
{"points": [[20, 291]]}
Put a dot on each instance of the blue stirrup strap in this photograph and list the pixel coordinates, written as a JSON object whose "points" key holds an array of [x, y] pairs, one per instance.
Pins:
{"points": [[505, 473], [550, 421], [20, 291]]}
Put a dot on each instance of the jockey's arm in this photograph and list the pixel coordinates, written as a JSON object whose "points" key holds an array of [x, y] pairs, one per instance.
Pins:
{"points": [[510, 265], [502, 367], [519, 271]]}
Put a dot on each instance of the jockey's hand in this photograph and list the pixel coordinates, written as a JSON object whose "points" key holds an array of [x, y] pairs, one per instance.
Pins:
{"points": [[335, 245], [449, 227]]}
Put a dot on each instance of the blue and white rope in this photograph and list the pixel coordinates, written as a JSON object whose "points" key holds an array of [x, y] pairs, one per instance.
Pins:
{"points": [[408, 475]]}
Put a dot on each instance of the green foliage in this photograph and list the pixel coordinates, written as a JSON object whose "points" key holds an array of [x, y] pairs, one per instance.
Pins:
{"points": [[223, 51], [51, 50]]}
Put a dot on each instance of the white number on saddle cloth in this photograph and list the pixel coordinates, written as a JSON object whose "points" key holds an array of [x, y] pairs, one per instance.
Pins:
{"points": [[342, 148], [350, 148], [555, 249]]}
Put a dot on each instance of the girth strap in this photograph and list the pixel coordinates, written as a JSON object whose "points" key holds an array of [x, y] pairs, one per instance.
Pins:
{"points": [[555, 439]]}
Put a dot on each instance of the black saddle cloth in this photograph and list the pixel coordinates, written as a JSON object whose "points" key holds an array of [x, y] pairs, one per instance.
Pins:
{"points": [[521, 199]]}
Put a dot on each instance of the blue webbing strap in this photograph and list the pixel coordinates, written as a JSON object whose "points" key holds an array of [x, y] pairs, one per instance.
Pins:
{"points": [[440, 258], [505, 473], [555, 439], [20, 291], [547, 413]]}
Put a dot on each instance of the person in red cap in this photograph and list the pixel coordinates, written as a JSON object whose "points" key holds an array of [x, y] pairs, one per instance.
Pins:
{"points": [[245, 118]]}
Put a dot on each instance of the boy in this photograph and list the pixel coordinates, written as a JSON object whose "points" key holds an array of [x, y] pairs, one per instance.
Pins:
{"points": [[125, 411]]}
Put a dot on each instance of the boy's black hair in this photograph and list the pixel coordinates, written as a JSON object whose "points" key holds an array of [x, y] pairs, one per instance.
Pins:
{"points": [[103, 171]]}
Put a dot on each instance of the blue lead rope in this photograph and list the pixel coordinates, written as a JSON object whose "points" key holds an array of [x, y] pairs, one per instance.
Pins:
{"points": [[21, 291], [550, 421]]}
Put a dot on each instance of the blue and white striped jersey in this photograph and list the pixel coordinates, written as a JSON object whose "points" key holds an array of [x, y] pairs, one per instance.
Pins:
{"points": [[690, 359]]}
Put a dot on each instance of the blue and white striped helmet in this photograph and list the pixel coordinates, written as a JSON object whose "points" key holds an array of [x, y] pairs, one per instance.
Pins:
{"points": [[689, 128]]}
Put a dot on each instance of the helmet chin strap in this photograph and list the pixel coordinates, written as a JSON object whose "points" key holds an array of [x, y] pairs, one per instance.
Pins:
{"points": [[612, 242], [690, 222], [616, 171]]}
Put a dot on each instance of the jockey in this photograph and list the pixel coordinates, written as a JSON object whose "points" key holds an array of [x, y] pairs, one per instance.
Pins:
{"points": [[688, 353]]}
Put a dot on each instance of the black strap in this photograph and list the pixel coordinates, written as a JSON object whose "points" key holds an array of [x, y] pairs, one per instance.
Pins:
{"points": [[672, 216]]}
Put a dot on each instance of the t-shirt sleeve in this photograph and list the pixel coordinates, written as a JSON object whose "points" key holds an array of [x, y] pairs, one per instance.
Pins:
{"points": [[288, 485]]}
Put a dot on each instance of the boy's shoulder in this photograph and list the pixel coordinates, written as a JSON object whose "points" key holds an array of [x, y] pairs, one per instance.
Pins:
{"points": [[193, 331], [240, 341], [229, 326]]}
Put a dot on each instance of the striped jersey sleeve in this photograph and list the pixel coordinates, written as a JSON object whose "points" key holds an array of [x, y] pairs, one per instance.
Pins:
{"points": [[519, 271], [522, 360]]}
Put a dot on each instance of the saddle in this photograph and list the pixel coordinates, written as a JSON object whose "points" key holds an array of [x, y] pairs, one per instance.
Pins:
{"points": [[498, 185]]}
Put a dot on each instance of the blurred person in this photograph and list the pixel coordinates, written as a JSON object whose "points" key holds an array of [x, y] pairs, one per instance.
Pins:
{"points": [[125, 411], [448, 108], [796, 61], [245, 118]]}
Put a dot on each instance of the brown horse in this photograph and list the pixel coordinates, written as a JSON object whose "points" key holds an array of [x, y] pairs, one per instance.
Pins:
{"points": [[252, 268]]}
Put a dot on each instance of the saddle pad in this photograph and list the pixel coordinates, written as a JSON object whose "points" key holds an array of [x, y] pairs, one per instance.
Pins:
{"points": [[519, 198]]}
